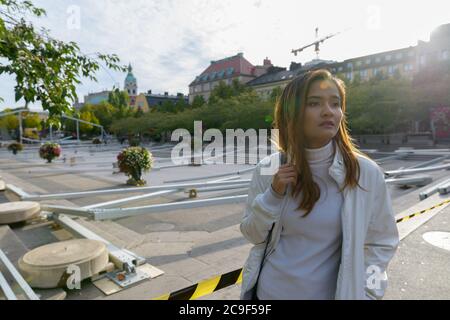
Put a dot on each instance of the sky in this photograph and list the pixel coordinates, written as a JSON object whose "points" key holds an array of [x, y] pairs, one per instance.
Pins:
{"points": [[170, 42]]}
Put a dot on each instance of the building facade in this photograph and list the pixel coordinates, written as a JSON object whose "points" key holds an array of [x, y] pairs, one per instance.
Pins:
{"points": [[235, 67], [96, 97], [146, 101], [277, 77], [404, 62]]}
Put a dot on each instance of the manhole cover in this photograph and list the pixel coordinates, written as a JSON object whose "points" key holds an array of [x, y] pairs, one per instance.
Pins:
{"points": [[159, 227], [438, 239]]}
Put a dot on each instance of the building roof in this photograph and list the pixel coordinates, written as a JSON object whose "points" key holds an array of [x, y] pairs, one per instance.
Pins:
{"points": [[130, 77], [148, 97], [226, 68], [277, 74]]}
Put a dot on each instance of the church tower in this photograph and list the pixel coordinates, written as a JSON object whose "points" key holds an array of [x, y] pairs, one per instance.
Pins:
{"points": [[130, 85]]}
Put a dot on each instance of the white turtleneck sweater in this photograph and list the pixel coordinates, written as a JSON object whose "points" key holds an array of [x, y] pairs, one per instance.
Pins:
{"points": [[305, 263]]}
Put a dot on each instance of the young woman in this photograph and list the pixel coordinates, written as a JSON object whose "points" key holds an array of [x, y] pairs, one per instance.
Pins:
{"points": [[324, 219]]}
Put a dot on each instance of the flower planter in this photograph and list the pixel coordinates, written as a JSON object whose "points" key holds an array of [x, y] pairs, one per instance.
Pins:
{"points": [[50, 151], [15, 147], [133, 161]]}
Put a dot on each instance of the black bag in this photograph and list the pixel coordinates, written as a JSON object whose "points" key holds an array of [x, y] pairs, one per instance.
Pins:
{"points": [[269, 237]]}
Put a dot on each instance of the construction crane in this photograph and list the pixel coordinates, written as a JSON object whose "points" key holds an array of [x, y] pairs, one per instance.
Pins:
{"points": [[316, 43]]}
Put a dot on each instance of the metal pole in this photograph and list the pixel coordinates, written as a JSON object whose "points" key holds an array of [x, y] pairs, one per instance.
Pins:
{"points": [[107, 214], [234, 186], [418, 180], [18, 277], [114, 203], [6, 288], [102, 214], [51, 132], [212, 176], [430, 162], [412, 171], [72, 195], [78, 131], [20, 127], [384, 159], [433, 189]]}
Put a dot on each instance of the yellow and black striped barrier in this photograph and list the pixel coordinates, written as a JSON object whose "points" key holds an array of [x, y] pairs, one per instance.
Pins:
{"points": [[422, 212], [234, 277], [205, 287]]}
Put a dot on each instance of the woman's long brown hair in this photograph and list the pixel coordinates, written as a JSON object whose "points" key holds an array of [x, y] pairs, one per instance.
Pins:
{"points": [[289, 119]]}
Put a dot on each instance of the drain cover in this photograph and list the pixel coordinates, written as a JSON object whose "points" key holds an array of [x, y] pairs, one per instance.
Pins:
{"points": [[438, 239]]}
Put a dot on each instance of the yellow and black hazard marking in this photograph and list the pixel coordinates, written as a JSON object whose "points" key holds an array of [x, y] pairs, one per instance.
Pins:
{"points": [[422, 212], [205, 287]]}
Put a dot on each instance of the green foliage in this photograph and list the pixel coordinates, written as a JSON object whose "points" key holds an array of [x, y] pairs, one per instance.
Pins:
{"points": [[139, 113], [383, 106], [134, 142], [275, 94], [198, 101], [15, 147], [45, 69], [223, 91], [32, 120], [89, 117], [103, 112], [10, 122], [120, 101], [245, 110]]}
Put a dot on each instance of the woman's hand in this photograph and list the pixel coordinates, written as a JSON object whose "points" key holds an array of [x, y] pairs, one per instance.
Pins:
{"points": [[286, 174]]}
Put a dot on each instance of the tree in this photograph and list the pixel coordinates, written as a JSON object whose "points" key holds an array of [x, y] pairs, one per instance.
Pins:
{"points": [[166, 107], [381, 106], [46, 69], [221, 91], [198, 102], [139, 113], [103, 111], [89, 117], [224, 91], [121, 103], [10, 122], [32, 120], [181, 104], [275, 94]]}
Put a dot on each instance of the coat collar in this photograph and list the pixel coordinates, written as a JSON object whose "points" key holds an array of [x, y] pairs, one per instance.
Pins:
{"points": [[337, 169]]}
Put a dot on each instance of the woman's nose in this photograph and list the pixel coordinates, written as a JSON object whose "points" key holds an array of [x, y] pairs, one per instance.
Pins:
{"points": [[327, 108]]}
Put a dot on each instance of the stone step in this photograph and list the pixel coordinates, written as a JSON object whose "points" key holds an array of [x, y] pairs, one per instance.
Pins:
{"points": [[11, 245]]}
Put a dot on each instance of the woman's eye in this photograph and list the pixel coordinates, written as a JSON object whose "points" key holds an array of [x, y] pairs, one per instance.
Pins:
{"points": [[337, 104], [313, 104]]}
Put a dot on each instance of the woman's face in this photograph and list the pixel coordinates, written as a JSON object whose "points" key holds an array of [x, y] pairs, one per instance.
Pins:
{"points": [[323, 113]]}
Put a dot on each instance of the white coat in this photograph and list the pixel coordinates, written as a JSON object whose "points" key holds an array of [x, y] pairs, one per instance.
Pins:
{"points": [[369, 231]]}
